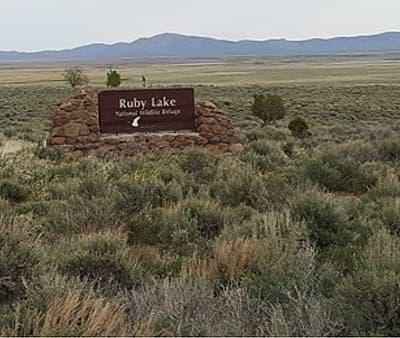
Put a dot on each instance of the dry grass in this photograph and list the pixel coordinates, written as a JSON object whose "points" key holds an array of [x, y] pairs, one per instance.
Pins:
{"points": [[273, 238], [74, 314]]}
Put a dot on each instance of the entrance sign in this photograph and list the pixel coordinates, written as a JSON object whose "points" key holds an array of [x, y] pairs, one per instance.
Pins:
{"points": [[146, 110]]}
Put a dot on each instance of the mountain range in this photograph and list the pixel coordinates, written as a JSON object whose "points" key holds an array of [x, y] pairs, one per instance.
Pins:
{"points": [[170, 45]]}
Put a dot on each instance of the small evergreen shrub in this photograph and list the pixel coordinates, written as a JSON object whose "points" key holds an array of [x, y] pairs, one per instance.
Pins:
{"points": [[299, 128], [268, 108], [113, 79]]}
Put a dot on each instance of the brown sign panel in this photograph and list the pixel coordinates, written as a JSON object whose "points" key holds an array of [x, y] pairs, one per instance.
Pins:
{"points": [[146, 110]]}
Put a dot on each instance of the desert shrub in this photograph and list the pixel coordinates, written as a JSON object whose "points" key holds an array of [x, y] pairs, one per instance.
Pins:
{"points": [[387, 187], [264, 225], [78, 214], [134, 197], [303, 315], [13, 191], [264, 155], [259, 246], [236, 184], [268, 108], [359, 150], [18, 266], [294, 281], [177, 307], [91, 186], [266, 148], [49, 153], [62, 190], [181, 228], [339, 174], [208, 215], [369, 300], [256, 134], [299, 128], [389, 150], [329, 223], [37, 208], [98, 258], [153, 262], [63, 171], [247, 186], [200, 165], [389, 214]]}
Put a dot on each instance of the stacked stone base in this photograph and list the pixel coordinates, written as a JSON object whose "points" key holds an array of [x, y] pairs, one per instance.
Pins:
{"points": [[75, 129]]}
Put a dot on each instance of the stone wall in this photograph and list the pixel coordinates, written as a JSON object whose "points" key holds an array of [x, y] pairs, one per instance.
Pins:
{"points": [[75, 129]]}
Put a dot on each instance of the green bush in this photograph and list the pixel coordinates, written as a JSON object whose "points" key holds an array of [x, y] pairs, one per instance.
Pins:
{"points": [[12, 191], [329, 224], [18, 267], [270, 108], [241, 187], [299, 128], [113, 79], [339, 174], [208, 216]]}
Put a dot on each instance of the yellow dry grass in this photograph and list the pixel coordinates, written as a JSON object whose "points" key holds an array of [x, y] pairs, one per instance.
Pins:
{"points": [[75, 314]]}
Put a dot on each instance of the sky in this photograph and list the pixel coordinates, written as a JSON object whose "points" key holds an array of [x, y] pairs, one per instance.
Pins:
{"points": [[33, 25]]}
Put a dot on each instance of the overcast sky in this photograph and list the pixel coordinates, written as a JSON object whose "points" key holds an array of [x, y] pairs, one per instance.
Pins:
{"points": [[30, 25]]}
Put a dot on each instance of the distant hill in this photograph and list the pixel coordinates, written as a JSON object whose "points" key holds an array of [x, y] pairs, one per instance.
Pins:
{"points": [[181, 46]]}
